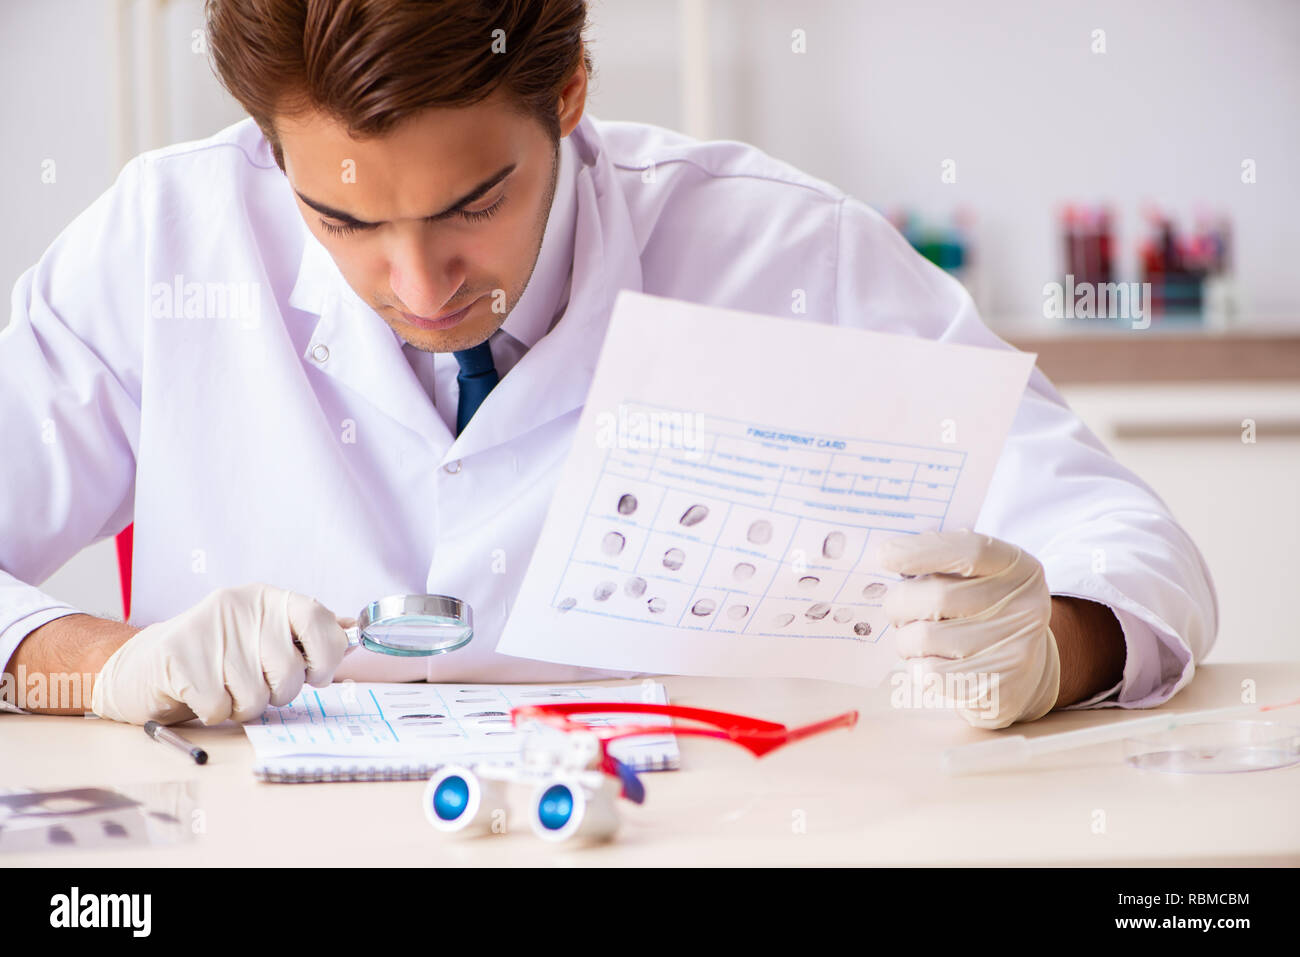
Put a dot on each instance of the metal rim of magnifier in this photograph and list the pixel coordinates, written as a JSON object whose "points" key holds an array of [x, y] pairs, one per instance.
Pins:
{"points": [[449, 614]]}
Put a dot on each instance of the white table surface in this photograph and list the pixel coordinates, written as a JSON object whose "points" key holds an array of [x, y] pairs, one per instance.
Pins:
{"points": [[871, 795]]}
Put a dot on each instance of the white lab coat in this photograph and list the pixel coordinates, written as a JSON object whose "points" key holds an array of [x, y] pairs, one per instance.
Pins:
{"points": [[300, 450]]}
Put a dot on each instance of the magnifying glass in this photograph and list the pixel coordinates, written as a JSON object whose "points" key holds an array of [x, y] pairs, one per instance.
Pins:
{"points": [[413, 626]]}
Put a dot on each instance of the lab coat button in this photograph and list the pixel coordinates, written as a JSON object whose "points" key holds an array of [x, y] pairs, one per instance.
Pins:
{"points": [[320, 352], [451, 468]]}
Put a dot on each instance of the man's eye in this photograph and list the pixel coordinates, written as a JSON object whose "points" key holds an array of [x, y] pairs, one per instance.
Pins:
{"points": [[339, 230], [346, 229], [481, 214]]}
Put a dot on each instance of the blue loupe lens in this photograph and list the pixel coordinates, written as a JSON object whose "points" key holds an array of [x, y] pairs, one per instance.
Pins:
{"points": [[555, 807], [450, 798]]}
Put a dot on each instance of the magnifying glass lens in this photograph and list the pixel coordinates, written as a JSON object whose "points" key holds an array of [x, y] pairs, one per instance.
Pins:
{"points": [[415, 636], [413, 625]]}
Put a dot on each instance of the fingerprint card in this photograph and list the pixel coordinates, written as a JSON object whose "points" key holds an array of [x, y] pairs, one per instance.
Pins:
{"points": [[719, 510]]}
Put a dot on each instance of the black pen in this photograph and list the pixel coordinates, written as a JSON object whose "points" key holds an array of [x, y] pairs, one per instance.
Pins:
{"points": [[167, 736]]}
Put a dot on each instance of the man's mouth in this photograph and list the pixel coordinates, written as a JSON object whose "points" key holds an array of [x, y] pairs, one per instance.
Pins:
{"points": [[444, 322]]}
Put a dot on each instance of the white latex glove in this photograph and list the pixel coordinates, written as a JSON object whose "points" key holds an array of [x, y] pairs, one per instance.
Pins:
{"points": [[227, 657], [977, 606]]}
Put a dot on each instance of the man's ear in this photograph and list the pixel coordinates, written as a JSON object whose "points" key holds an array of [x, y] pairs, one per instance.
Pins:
{"points": [[268, 131], [573, 100]]}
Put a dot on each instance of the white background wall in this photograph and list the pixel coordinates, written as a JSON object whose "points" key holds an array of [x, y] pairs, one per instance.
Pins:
{"points": [[885, 93], [1010, 90]]}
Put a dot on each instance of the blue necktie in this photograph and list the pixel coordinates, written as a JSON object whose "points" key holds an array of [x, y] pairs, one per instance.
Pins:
{"points": [[478, 376]]}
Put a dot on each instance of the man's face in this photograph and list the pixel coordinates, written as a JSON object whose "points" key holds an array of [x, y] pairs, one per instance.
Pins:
{"points": [[445, 212]]}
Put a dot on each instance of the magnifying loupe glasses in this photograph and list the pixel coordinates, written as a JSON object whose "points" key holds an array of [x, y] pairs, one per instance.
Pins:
{"points": [[413, 626]]}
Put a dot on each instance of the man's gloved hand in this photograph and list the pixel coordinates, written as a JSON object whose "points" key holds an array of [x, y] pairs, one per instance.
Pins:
{"points": [[977, 605], [227, 657]]}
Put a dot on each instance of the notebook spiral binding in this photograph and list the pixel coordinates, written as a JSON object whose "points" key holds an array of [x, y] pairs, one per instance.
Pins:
{"points": [[306, 775], [303, 774]]}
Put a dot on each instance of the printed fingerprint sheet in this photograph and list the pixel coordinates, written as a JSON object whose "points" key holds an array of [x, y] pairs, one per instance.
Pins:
{"points": [[729, 479]]}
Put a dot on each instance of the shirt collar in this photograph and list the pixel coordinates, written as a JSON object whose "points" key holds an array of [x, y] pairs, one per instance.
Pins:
{"points": [[546, 294]]}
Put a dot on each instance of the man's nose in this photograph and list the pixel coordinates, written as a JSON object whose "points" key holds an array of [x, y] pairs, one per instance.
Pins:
{"points": [[424, 283]]}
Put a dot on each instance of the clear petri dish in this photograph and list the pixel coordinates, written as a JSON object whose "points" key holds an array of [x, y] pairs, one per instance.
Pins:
{"points": [[1216, 747]]}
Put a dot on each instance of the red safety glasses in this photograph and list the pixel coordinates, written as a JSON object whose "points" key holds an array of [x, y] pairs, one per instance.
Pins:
{"points": [[753, 734]]}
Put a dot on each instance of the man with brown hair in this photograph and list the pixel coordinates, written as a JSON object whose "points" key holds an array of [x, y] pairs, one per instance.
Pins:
{"points": [[341, 347]]}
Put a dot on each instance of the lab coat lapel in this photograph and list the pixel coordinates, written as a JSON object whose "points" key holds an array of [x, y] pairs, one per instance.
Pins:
{"points": [[554, 376], [364, 354]]}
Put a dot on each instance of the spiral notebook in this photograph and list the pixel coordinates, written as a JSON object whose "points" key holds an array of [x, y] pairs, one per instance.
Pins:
{"points": [[379, 731]]}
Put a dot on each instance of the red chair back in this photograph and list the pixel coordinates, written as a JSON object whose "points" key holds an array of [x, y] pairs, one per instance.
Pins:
{"points": [[125, 538]]}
